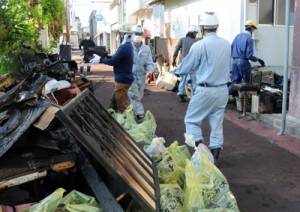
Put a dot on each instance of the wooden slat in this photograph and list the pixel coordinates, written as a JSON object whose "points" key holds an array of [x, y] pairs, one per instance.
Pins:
{"points": [[94, 127]]}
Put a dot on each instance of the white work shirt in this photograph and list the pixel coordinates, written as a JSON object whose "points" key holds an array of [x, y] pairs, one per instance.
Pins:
{"points": [[207, 57]]}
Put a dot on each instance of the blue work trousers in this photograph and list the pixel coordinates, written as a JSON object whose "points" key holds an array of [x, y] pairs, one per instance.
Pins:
{"points": [[241, 70], [207, 102]]}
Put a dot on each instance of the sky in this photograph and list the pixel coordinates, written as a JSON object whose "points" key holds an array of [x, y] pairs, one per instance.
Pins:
{"points": [[83, 10]]}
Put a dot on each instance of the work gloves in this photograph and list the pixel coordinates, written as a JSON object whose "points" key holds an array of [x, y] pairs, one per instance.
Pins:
{"points": [[96, 59], [174, 63], [262, 63]]}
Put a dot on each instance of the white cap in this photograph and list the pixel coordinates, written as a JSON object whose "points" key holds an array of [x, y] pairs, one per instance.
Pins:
{"points": [[193, 28], [209, 20]]}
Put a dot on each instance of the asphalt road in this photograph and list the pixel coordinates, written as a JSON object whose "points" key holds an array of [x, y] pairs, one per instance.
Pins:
{"points": [[261, 175]]}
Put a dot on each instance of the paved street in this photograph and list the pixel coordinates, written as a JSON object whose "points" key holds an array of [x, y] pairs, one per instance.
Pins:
{"points": [[262, 168]]}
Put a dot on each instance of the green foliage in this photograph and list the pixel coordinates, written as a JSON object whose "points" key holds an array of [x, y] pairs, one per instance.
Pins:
{"points": [[22, 20], [15, 25], [53, 16]]}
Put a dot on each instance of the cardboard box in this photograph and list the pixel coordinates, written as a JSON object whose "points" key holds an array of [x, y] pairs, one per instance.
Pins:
{"points": [[166, 81]]}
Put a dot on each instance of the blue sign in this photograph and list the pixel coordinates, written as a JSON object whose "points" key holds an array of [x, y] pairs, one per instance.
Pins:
{"points": [[99, 18]]}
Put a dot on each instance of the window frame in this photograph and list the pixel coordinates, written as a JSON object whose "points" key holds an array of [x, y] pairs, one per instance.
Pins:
{"points": [[274, 15]]}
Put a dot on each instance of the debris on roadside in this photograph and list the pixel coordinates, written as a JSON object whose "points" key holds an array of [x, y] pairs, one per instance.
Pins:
{"points": [[57, 138]]}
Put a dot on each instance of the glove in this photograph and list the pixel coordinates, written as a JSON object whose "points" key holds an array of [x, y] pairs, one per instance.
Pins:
{"points": [[174, 63], [96, 59], [262, 63]]}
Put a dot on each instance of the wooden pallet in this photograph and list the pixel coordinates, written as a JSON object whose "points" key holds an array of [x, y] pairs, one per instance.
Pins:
{"points": [[111, 146]]}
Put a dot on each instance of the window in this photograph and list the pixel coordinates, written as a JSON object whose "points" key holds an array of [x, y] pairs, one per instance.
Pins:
{"points": [[266, 11], [280, 12], [273, 12]]}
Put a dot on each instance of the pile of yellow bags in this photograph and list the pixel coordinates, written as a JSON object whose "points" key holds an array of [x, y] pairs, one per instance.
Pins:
{"points": [[187, 183]]}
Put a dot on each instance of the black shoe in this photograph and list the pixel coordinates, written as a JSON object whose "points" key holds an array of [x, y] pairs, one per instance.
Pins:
{"points": [[215, 153], [198, 142], [139, 118], [181, 99], [88, 70]]}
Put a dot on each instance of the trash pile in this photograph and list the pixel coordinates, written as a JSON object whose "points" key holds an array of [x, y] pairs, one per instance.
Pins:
{"points": [[263, 94], [34, 149], [62, 150], [187, 183]]}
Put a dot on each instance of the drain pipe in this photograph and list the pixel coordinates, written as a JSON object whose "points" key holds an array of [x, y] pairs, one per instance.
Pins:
{"points": [[286, 65]]}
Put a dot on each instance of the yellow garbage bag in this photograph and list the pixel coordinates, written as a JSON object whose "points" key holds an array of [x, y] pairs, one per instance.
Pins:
{"points": [[171, 168], [76, 201], [49, 203], [207, 188], [171, 197]]}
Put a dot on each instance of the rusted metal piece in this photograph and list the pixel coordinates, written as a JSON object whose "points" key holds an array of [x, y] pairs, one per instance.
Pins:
{"points": [[7, 81], [111, 146], [22, 179], [21, 166]]}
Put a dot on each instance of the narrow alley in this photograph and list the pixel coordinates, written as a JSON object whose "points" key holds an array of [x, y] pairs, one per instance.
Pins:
{"points": [[261, 175]]}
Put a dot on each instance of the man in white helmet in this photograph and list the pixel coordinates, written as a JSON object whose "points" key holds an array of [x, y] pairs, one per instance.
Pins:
{"points": [[241, 53], [142, 63], [210, 58], [184, 46]]}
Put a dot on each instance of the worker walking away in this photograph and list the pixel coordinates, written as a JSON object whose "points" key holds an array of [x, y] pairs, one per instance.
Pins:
{"points": [[184, 46], [241, 53], [122, 62], [86, 43], [210, 58], [142, 63]]}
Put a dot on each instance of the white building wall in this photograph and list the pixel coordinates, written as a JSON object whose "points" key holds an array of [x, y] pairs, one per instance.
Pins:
{"points": [[181, 17], [270, 46], [269, 40]]}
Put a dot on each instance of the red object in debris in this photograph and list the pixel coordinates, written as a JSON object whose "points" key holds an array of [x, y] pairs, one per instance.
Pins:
{"points": [[64, 95], [149, 77], [5, 208], [23, 206]]}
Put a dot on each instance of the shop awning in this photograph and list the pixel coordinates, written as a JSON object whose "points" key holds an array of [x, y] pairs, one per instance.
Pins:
{"points": [[153, 2]]}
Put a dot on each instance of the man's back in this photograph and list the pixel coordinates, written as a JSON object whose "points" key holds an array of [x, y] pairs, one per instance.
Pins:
{"points": [[184, 44], [122, 61], [242, 46], [214, 57], [187, 42]]}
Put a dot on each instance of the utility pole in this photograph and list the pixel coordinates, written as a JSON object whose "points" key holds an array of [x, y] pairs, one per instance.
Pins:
{"points": [[67, 14]]}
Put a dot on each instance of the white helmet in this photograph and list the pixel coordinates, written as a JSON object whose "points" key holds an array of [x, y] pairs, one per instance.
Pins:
{"points": [[138, 30], [193, 28], [209, 20]]}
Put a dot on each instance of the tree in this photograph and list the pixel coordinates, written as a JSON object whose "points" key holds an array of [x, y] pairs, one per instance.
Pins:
{"points": [[22, 21]]}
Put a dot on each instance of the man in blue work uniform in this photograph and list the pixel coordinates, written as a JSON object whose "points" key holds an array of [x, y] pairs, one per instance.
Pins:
{"points": [[210, 58], [142, 63], [184, 45], [122, 61], [241, 53]]}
